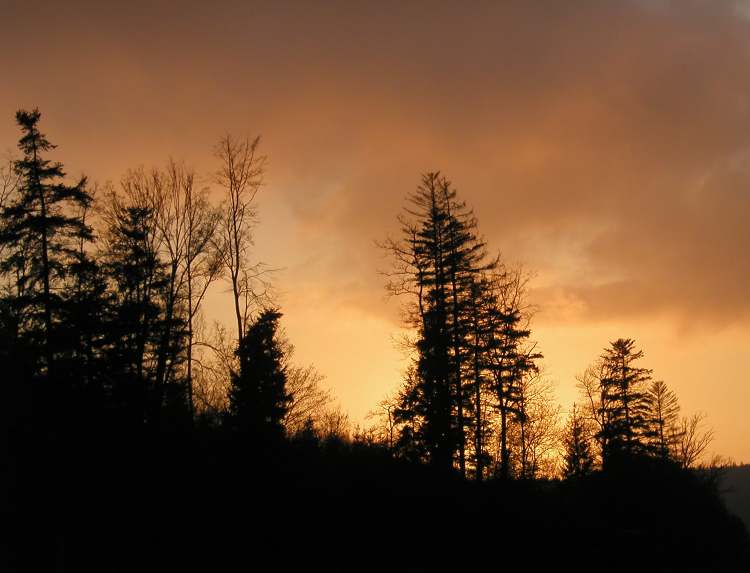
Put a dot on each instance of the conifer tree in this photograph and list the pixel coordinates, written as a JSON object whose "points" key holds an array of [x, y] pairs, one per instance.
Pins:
{"points": [[663, 433], [258, 397], [39, 229], [623, 390], [510, 357], [435, 262], [83, 320], [137, 280], [465, 260], [470, 342], [478, 302]]}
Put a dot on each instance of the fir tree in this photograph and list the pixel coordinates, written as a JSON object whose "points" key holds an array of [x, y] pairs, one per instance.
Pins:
{"points": [[470, 341], [435, 261], [623, 390], [663, 434], [39, 231], [83, 320], [510, 357], [137, 280], [258, 398]]}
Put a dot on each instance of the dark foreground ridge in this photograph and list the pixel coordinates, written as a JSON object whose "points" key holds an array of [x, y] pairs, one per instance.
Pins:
{"points": [[214, 502], [735, 490]]}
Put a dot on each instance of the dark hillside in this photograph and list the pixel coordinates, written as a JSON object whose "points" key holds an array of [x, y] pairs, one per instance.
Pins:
{"points": [[735, 490]]}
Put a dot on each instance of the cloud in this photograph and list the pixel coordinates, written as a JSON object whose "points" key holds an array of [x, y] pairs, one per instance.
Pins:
{"points": [[602, 144], [619, 131]]}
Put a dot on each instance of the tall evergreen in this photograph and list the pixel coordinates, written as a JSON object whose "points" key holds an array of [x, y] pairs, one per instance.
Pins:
{"points": [[478, 325], [465, 260], [83, 321], [39, 232], [663, 433], [510, 357], [470, 342], [258, 397], [436, 260], [137, 280], [624, 401], [500, 358], [436, 377]]}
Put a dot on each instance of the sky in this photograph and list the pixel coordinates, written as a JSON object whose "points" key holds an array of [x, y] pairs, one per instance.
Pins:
{"points": [[603, 145]]}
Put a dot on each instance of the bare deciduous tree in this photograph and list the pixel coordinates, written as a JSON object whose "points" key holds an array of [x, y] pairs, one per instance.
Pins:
{"points": [[189, 224], [309, 400], [594, 402], [9, 181], [536, 428], [334, 424], [694, 440], [214, 361], [384, 429], [185, 227], [241, 176]]}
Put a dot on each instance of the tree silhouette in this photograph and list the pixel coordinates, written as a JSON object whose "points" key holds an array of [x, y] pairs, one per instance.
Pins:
{"points": [[39, 229], [663, 433], [465, 261], [83, 316], [471, 349], [511, 358], [308, 400], [187, 227], [624, 401], [694, 439], [258, 398], [535, 429], [138, 281], [578, 457], [436, 261], [240, 174]]}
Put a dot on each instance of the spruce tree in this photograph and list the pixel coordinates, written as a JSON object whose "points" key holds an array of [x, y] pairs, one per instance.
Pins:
{"points": [[136, 278], [623, 390], [83, 322], [662, 433], [435, 262], [470, 342], [510, 357], [39, 232], [478, 301], [258, 398], [465, 261]]}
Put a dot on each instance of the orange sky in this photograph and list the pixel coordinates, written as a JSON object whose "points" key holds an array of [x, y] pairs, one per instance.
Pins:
{"points": [[605, 146]]}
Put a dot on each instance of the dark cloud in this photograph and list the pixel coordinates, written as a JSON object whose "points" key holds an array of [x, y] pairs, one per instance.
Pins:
{"points": [[603, 144]]}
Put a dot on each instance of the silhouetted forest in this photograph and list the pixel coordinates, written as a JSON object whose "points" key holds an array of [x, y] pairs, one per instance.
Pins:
{"points": [[140, 435]]}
